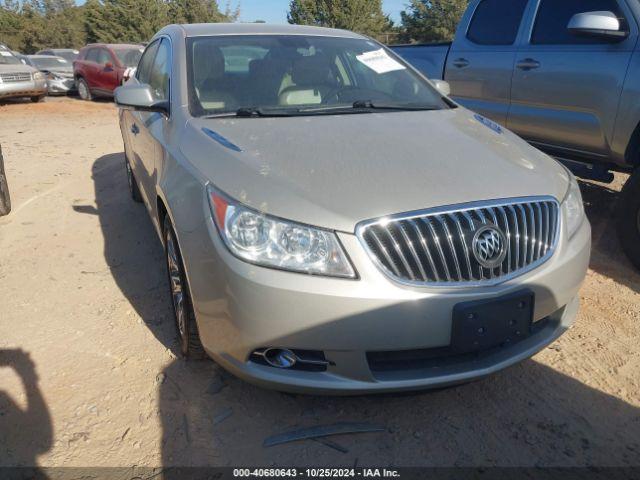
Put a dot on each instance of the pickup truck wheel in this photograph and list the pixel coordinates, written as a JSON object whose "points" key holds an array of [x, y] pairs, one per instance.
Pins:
{"points": [[5, 200], [190, 344], [629, 218], [83, 90], [134, 189], [37, 98]]}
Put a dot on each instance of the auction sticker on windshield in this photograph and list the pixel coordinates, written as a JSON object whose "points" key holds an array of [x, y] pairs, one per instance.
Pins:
{"points": [[379, 61]]}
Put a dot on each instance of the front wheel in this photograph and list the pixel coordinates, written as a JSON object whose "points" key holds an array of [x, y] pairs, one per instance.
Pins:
{"points": [[83, 90], [628, 218], [190, 344]]}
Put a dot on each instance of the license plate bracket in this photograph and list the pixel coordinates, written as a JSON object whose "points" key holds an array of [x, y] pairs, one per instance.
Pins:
{"points": [[484, 324]]}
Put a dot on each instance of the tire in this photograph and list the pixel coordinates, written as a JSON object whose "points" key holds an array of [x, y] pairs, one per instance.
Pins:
{"points": [[84, 92], [37, 99], [134, 189], [185, 319], [5, 200], [628, 218]]}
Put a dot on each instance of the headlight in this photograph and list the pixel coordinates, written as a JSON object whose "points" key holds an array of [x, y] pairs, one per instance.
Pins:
{"points": [[273, 242], [38, 76], [573, 208]]}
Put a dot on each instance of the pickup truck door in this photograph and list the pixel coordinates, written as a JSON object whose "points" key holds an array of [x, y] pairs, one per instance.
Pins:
{"points": [[480, 64], [566, 87]]}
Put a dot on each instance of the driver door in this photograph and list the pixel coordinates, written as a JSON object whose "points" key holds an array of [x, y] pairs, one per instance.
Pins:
{"points": [[566, 87]]}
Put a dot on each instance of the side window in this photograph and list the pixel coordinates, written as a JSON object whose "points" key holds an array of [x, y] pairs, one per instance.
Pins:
{"points": [[161, 71], [144, 65], [104, 57], [92, 55], [496, 22], [553, 17]]}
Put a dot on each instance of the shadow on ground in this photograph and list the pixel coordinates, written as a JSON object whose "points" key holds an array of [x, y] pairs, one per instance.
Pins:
{"points": [[26, 431], [528, 415], [607, 257]]}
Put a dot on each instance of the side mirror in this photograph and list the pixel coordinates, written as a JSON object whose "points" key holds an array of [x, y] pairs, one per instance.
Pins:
{"points": [[597, 24], [139, 98], [443, 87], [108, 66]]}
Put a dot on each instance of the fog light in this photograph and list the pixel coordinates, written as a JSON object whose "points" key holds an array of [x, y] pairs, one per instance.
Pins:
{"points": [[280, 357]]}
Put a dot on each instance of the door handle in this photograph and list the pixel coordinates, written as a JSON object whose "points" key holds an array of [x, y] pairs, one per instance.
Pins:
{"points": [[528, 64], [461, 63], [134, 129]]}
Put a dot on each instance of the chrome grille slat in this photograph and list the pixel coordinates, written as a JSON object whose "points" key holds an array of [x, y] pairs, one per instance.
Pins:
{"points": [[413, 251], [470, 221], [525, 235], [426, 249], [399, 251], [532, 230], [546, 219], [492, 214], [435, 247], [447, 234], [539, 226], [507, 232], [465, 247], [436, 239], [383, 249]]}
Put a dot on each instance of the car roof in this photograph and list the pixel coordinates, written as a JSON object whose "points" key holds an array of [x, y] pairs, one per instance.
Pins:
{"points": [[114, 46], [206, 29], [36, 56]]}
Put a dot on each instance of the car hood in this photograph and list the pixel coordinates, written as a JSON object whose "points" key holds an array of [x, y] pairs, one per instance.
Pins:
{"points": [[334, 171], [17, 68], [60, 70]]}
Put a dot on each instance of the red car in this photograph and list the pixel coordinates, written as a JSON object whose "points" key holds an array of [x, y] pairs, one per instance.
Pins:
{"points": [[101, 67]]}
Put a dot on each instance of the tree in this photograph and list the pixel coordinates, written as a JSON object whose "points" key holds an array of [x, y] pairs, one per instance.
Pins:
{"points": [[432, 20], [124, 21], [363, 16], [31, 25]]}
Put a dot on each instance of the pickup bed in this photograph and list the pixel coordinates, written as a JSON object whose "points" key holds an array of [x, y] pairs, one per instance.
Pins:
{"points": [[564, 75]]}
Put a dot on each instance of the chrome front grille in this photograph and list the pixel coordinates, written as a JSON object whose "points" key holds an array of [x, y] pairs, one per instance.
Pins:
{"points": [[15, 77], [446, 246]]}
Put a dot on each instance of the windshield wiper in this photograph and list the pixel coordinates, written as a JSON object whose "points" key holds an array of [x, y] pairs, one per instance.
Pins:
{"points": [[264, 112], [368, 104], [248, 112], [361, 106]]}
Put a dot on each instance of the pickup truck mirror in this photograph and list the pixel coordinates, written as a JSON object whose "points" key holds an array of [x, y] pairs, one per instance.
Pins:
{"points": [[597, 24], [443, 87], [139, 98]]}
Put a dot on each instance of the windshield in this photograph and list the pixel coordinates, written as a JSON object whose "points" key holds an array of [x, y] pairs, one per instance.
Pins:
{"points": [[7, 58], [44, 63], [129, 56], [300, 73], [69, 55]]}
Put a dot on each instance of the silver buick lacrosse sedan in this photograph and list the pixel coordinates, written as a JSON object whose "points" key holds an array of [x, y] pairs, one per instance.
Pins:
{"points": [[333, 223]]}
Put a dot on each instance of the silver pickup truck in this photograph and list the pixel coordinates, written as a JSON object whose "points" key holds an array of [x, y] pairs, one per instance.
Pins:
{"points": [[562, 74]]}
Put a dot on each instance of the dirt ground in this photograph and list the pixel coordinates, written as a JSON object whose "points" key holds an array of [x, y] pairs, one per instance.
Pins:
{"points": [[88, 376]]}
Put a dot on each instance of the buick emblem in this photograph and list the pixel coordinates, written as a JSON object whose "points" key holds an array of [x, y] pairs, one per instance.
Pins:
{"points": [[489, 246]]}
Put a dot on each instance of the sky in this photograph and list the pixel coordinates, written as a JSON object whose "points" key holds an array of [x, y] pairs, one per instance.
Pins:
{"points": [[275, 11]]}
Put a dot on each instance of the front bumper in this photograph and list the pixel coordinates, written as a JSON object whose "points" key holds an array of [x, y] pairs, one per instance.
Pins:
{"points": [[241, 308], [32, 88], [61, 86]]}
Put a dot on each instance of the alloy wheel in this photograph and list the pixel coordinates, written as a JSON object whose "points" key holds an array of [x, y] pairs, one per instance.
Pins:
{"points": [[176, 285], [83, 90], [129, 176]]}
